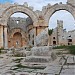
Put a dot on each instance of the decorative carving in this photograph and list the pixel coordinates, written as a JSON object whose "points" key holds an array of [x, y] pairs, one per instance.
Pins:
{"points": [[48, 6], [25, 4], [31, 7], [41, 17], [43, 8], [60, 3]]}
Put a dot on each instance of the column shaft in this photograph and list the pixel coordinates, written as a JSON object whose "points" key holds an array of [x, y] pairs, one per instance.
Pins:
{"points": [[1, 36], [35, 36], [5, 38]]}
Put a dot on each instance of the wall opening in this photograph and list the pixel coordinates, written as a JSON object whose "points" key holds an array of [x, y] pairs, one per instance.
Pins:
{"points": [[18, 23], [63, 24]]}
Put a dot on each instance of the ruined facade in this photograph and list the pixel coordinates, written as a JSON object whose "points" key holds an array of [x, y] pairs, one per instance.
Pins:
{"points": [[61, 36], [40, 21]]}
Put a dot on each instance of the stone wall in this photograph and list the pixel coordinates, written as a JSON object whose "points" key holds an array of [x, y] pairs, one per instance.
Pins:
{"points": [[18, 22]]}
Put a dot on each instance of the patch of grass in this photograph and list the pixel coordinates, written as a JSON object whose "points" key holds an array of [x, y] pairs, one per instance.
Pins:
{"points": [[1, 49], [71, 49]]}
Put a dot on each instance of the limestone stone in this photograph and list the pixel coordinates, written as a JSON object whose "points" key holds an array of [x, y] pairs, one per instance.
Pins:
{"points": [[1, 36], [31, 7], [42, 38], [70, 60], [48, 6], [71, 2], [41, 51], [6, 40]]}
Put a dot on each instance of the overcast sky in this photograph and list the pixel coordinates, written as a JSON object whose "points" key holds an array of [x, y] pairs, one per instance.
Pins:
{"points": [[67, 18]]}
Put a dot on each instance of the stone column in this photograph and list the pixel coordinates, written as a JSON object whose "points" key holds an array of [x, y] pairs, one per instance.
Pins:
{"points": [[1, 36], [5, 38], [34, 36]]}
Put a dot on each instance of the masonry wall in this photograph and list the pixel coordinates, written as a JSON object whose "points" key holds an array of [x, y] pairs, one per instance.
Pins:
{"points": [[20, 29]]}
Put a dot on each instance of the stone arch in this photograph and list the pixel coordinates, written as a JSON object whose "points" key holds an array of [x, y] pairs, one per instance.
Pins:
{"points": [[19, 8], [58, 7], [15, 30], [18, 33]]}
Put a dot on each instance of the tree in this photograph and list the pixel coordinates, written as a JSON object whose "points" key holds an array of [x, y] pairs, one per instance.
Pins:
{"points": [[50, 31]]}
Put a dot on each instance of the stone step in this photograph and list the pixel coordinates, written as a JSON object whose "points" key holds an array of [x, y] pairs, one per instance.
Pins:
{"points": [[68, 70], [55, 67], [70, 60]]}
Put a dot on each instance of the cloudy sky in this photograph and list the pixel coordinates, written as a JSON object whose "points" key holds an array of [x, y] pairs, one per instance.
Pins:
{"points": [[67, 18], [37, 4]]}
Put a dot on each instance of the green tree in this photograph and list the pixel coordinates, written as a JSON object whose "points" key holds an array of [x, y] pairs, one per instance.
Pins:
{"points": [[50, 31]]}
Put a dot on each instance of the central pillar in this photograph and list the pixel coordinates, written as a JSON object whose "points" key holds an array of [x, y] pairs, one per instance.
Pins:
{"points": [[5, 38]]}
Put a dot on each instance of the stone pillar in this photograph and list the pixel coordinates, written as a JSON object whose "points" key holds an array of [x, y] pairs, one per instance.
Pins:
{"points": [[34, 36], [1, 36], [5, 38]]}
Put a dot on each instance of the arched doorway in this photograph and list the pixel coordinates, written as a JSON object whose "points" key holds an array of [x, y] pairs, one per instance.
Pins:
{"points": [[14, 35], [17, 40]]}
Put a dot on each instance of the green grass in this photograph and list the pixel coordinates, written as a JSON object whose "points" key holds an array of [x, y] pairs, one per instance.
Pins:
{"points": [[70, 48], [1, 49]]}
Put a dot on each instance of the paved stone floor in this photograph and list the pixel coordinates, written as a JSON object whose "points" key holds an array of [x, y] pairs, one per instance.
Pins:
{"points": [[69, 67], [60, 66]]}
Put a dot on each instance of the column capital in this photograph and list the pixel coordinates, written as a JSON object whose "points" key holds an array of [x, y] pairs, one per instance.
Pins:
{"points": [[5, 26]]}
